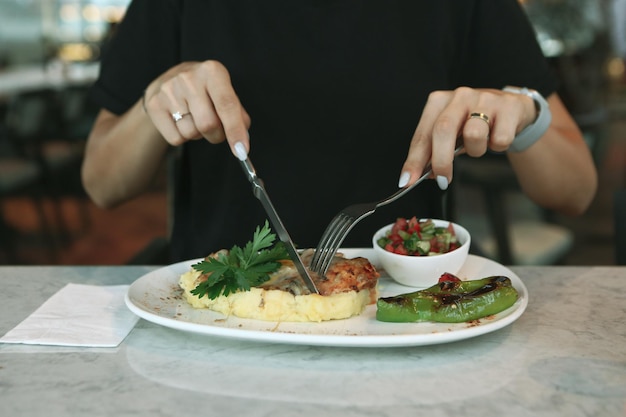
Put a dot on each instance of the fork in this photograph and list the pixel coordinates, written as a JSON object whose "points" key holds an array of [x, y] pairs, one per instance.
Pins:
{"points": [[346, 219]]}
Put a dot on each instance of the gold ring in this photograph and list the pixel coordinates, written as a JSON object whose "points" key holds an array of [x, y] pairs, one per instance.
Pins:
{"points": [[178, 116], [481, 116]]}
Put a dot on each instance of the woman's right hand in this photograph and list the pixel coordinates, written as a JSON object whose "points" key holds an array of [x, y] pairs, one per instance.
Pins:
{"points": [[202, 93], [124, 153]]}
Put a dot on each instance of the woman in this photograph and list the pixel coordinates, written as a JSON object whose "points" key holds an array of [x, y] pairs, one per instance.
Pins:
{"points": [[327, 97]]}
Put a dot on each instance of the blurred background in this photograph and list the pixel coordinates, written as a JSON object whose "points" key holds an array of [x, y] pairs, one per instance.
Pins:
{"points": [[49, 56]]}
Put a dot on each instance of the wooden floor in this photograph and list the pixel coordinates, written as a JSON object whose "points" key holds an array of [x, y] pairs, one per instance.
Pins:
{"points": [[114, 237], [110, 237]]}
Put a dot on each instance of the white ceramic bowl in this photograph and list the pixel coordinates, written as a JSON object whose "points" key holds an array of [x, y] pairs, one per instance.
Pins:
{"points": [[423, 271]]}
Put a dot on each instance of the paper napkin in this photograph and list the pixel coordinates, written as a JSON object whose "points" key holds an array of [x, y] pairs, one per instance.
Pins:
{"points": [[78, 315]]}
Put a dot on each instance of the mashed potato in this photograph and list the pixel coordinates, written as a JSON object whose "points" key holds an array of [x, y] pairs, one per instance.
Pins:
{"points": [[350, 286]]}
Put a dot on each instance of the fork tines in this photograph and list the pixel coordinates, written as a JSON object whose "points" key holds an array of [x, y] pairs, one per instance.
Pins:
{"points": [[332, 238]]}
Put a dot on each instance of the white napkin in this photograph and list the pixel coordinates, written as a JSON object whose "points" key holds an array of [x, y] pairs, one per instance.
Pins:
{"points": [[78, 315]]}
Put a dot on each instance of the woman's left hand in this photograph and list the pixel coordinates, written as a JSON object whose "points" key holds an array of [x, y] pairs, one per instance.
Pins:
{"points": [[447, 120]]}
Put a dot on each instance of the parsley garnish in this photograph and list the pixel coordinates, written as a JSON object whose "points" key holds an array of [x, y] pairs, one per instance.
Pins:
{"points": [[243, 268]]}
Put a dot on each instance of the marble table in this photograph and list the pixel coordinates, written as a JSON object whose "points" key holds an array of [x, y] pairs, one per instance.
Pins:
{"points": [[565, 356]]}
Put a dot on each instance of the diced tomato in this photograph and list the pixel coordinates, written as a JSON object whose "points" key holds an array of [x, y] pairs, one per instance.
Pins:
{"points": [[396, 239], [435, 245], [401, 250], [448, 277], [413, 225], [400, 224]]}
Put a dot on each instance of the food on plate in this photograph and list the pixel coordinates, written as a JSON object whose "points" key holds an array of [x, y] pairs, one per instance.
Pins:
{"points": [[260, 282], [421, 237], [451, 300], [422, 271]]}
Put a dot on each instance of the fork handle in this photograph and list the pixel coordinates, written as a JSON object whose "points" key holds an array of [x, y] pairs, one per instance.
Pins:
{"points": [[403, 191]]}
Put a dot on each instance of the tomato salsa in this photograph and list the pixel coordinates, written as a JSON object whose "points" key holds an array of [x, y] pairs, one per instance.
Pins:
{"points": [[421, 237]]}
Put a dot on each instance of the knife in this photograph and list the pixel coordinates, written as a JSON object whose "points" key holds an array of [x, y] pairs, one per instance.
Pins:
{"points": [[258, 189]]}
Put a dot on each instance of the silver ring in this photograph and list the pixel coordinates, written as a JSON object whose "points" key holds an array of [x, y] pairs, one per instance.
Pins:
{"points": [[481, 116], [178, 116]]}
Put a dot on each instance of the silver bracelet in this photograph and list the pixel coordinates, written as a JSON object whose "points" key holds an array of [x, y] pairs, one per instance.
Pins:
{"points": [[534, 131]]}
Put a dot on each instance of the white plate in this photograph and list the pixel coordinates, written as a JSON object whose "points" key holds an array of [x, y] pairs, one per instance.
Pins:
{"points": [[157, 298]]}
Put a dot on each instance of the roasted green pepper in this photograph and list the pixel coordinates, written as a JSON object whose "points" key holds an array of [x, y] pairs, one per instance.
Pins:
{"points": [[450, 301]]}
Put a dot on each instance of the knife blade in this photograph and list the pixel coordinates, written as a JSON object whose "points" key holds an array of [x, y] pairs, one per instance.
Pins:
{"points": [[258, 189]]}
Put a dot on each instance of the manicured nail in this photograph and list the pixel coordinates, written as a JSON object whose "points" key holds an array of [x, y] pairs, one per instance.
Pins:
{"points": [[442, 182], [240, 151], [404, 179]]}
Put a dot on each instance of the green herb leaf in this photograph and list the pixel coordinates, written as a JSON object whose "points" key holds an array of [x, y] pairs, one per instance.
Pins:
{"points": [[241, 269]]}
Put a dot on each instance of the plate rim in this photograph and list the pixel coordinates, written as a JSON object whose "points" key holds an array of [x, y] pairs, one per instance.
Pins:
{"points": [[315, 339]]}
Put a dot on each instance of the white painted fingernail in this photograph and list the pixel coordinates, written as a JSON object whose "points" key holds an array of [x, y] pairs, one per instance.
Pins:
{"points": [[442, 182], [240, 151], [404, 179]]}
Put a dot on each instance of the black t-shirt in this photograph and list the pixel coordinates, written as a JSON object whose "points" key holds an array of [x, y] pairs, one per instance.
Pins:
{"points": [[334, 88]]}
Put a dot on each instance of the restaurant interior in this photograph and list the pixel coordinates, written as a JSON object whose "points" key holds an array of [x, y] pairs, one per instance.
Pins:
{"points": [[49, 56]]}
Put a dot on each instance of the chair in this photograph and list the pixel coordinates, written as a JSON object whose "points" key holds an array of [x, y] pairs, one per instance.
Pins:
{"points": [[78, 113], [519, 232], [619, 208], [21, 177], [36, 126]]}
